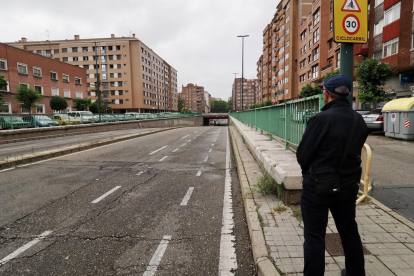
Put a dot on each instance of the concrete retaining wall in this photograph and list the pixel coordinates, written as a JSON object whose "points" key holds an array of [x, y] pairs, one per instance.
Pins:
{"points": [[33, 133]]}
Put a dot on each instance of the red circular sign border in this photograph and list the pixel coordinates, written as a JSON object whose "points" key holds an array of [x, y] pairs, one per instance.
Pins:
{"points": [[343, 24]]}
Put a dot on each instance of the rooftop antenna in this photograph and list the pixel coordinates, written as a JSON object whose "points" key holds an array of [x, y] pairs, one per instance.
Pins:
{"points": [[130, 33], [48, 39]]}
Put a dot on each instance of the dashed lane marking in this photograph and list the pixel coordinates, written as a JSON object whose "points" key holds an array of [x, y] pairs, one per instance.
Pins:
{"points": [[162, 159], [157, 257], [198, 173], [187, 196], [106, 194], [155, 151]]}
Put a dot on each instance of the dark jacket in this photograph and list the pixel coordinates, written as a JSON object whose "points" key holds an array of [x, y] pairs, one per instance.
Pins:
{"points": [[325, 138]]}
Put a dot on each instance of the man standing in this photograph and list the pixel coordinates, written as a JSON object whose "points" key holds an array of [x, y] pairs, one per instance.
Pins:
{"points": [[327, 146]]}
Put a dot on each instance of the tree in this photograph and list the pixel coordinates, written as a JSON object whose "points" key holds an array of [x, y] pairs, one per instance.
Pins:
{"points": [[330, 74], [229, 105], [104, 108], [180, 104], [185, 110], [219, 106], [371, 75], [82, 104], [58, 103], [308, 90], [27, 97], [3, 86], [266, 103]]}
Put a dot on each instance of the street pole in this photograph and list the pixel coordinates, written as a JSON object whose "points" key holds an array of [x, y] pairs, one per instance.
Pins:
{"points": [[98, 83], [242, 36], [347, 65], [234, 97]]}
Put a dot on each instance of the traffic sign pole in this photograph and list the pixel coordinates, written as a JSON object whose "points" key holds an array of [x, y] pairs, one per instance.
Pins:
{"points": [[347, 65]]}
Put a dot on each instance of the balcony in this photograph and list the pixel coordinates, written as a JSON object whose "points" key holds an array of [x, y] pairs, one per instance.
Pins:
{"points": [[329, 66], [361, 49]]}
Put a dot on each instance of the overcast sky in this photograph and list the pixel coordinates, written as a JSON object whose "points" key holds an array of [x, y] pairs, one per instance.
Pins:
{"points": [[196, 37]]}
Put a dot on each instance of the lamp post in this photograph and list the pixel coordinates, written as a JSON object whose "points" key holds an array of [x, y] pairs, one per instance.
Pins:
{"points": [[234, 96], [242, 36]]}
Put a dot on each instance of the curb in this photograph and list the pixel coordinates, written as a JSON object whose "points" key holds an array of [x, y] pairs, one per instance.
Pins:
{"points": [[26, 159], [260, 254], [392, 213]]}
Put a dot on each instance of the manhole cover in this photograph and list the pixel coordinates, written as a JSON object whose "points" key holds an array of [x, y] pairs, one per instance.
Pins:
{"points": [[333, 245]]}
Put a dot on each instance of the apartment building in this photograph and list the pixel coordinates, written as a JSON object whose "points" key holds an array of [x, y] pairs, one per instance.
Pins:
{"points": [[207, 100], [259, 95], [133, 77], [194, 98], [49, 77], [250, 87]]}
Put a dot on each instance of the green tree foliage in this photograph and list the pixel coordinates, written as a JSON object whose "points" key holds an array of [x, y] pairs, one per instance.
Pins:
{"points": [[219, 106], [82, 104], [180, 104], [3, 85], [58, 103], [27, 97], [185, 110], [330, 74], [229, 105], [371, 75], [104, 108], [308, 90], [266, 103]]}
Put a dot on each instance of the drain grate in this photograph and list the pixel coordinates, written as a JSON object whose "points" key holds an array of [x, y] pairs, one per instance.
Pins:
{"points": [[333, 245]]}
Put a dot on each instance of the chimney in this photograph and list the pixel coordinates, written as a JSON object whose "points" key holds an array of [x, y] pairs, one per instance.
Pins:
{"points": [[76, 37], [112, 36], [133, 35], [24, 40]]}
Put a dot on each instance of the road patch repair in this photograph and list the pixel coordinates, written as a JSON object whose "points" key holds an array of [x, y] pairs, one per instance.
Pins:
{"points": [[42, 156], [276, 229]]}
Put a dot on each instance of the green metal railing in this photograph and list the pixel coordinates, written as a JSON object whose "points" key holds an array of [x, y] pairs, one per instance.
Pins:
{"points": [[18, 121], [287, 121]]}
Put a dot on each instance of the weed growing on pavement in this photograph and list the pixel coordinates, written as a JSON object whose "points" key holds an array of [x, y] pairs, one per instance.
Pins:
{"points": [[371, 193], [244, 142], [260, 220], [298, 215], [266, 185]]}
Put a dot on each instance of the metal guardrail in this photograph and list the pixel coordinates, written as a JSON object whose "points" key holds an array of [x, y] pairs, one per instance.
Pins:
{"points": [[287, 121], [19, 121]]}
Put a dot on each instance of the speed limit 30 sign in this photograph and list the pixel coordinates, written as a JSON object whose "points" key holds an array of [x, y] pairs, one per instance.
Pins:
{"points": [[351, 21]]}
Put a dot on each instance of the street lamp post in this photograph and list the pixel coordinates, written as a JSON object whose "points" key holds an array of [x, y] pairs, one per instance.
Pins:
{"points": [[234, 96], [242, 36]]}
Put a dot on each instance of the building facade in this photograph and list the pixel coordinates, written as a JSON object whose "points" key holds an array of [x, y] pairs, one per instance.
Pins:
{"points": [[133, 77], [247, 96], [49, 77], [194, 98], [207, 100]]}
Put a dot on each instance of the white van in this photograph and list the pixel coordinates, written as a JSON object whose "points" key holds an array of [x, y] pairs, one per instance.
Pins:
{"points": [[84, 116]]}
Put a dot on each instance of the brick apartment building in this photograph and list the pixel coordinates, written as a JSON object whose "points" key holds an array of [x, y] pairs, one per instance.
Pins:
{"points": [[194, 97], [207, 100], [250, 87], [133, 77], [49, 77]]}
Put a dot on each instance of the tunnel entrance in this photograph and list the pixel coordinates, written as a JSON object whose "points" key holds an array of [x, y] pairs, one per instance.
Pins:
{"points": [[215, 122]]}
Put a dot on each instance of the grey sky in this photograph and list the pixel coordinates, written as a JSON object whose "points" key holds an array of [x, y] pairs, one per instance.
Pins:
{"points": [[197, 37]]}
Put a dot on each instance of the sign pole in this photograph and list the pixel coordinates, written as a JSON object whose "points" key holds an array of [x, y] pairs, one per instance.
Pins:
{"points": [[347, 65]]}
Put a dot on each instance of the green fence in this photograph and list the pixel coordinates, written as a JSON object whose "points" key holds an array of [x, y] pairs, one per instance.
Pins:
{"points": [[18, 121], [286, 121]]}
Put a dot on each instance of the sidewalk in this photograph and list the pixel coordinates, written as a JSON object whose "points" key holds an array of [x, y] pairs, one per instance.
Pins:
{"points": [[388, 237]]}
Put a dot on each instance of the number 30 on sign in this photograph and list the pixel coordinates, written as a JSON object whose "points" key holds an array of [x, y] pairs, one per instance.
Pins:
{"points": [[351, 21]]}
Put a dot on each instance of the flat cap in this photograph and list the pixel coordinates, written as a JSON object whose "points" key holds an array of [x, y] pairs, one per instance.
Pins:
{"points": [[338, 84]]}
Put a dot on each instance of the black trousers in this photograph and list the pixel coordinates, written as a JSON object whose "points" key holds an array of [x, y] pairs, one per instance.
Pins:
{"points": [[315, 218]]}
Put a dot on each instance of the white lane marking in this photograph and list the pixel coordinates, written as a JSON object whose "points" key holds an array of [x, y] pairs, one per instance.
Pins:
{"points": [[5, 170], [162, 159], [24, 248], [106, 194], [185, 136], [141, 172], [228, 260], [187, 196], [184, 144], [198, 173], [175, 150], [210, 150], [212, 145], [205, 159], [157, 150], [157, 257], [188, 140]]}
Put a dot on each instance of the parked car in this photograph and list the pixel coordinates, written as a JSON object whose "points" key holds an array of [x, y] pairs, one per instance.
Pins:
{"points": [[374, 120], [13, 122], [64, 119], [40, 121], [108, 118], [362, 112], [85, 117]]}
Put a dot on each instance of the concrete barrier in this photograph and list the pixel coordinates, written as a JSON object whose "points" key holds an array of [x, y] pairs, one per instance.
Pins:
{"points": [[11, 136]]}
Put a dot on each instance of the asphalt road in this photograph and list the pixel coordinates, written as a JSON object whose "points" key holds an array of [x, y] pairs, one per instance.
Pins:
{"points": [[9, 151], [392, 172], [152, 205]]}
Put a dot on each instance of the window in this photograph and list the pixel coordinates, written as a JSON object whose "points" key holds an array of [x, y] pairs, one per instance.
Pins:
{"points": [[64, 50], [65, 59], [75, 59], [331, 6], [330, 45], [338, 60], [66, 93], [55, 91], [79, 95], [390, 47], [40, 109], [84, 49], [315, 53], [6, 108], [315, 71], [39, 89], [316, 36], [74, 49], [287, 19], [85, 58], [56, 51], [37, 72], [78, 81], [5, 88], [378, 27], [392, 14], [316, 17], [331, 26], [302, 78], [378, 2], [22, 68], [65, 78], [3, 64]]}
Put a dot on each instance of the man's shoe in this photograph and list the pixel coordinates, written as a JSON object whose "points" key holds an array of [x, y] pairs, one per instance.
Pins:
{"points": [[343, 272]]}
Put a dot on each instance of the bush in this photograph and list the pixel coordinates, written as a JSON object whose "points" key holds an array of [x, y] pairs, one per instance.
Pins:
{"points": [[58, 103]]}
